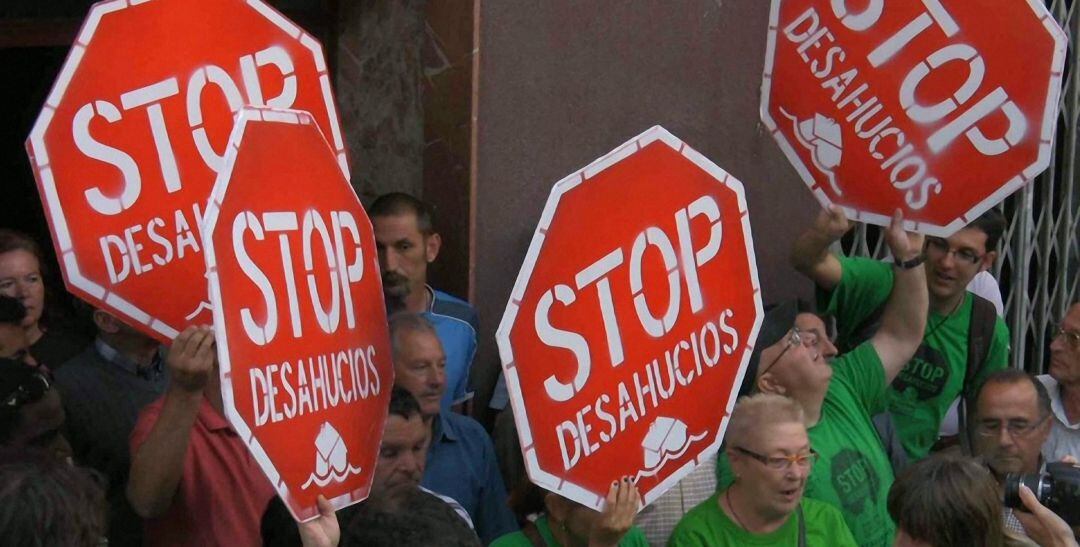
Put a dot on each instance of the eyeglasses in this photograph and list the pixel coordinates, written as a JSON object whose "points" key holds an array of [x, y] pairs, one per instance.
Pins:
{"points": [[1071, 337], [782, 463], [941, 246], [31, 390], [796, 338], [1017, 429]]}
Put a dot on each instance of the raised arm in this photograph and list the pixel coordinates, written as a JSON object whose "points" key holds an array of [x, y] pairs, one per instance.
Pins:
{"points": [[810, 255], [904, 319], [157, 465]]}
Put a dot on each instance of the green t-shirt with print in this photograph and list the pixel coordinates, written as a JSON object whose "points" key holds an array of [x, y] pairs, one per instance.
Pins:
{"points": [[922, 393], [707, 524], [633, 538], [853, 472]]}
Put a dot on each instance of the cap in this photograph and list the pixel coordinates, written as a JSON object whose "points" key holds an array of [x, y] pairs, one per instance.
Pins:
{"points": [[779, 320]]}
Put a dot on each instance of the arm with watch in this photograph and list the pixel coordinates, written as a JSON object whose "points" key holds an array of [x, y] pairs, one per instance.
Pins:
{"points": [[904, 318], [858, 290]]}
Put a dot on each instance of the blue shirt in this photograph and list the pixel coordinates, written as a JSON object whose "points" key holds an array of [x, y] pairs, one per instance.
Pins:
{"points": [[461, 464], [456, 326]]}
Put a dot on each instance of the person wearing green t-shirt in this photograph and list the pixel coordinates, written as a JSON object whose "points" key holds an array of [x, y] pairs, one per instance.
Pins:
{"points": [[854, 289], [769, 451], [852, 471], [570, 524]]}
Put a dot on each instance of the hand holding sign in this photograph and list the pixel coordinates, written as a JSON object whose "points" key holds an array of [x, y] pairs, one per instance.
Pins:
{"points": [[609, 341], [831, 223], [903, 245], [620, 508], [298, 309], [930, 107], [191, 359]]}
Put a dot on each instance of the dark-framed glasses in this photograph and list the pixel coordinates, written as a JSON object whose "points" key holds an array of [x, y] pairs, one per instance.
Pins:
{"points": [[941, 246]]}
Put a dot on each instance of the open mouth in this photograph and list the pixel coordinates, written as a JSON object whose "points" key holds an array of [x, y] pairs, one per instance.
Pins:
{"points": [[792, 494]]}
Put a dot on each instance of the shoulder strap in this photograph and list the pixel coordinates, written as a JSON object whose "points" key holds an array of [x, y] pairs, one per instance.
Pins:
{"points": [[980, 335], [802, 526]]}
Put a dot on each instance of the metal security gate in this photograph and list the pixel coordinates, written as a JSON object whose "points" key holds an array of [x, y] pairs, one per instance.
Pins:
{"points": [[1038, 267]]}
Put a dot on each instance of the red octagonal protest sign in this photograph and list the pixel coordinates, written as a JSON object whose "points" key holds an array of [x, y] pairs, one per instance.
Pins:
{"points": [[638, 301], [299, 318], [941, 109], [133, 133]]}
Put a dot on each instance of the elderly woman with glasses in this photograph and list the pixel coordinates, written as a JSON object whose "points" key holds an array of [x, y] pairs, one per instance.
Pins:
{"points": [[770, 457]]}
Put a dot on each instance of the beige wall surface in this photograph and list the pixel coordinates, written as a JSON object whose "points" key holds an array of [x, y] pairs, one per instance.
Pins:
{"points": [[564, 82]]}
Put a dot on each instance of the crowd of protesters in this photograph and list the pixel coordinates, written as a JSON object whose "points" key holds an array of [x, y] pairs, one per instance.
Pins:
{"points": [[886, 417]]}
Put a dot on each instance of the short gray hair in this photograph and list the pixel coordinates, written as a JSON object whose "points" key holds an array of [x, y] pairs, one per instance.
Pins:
{"points": [[754, 411], [407, 322]]}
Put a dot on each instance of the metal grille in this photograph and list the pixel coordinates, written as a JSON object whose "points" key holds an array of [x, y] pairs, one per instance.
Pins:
{"points": [[1039, 258]]}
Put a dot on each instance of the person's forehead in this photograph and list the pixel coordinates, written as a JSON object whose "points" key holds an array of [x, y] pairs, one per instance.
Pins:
{"points": [[780, 437], [396, 226], [809, 321], [401, 432], [970, 238], [1012, 399], [19, 260], [421, 344], [1072, 318]]}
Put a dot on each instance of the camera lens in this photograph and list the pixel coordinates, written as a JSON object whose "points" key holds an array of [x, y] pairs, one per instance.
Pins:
{"points": [[1034, 481]]}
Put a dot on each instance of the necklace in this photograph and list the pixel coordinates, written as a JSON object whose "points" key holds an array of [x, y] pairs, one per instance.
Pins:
{"points": [[727, 498], [944, 319]]}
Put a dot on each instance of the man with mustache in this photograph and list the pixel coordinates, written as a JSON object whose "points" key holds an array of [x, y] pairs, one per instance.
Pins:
{"points": [[407, 242]]}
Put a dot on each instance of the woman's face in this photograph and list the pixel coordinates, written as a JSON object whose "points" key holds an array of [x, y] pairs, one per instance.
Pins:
{"points": [[20, 277]]}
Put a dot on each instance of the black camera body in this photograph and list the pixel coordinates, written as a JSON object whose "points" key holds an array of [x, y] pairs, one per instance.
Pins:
{"points": [[1058, 489]]}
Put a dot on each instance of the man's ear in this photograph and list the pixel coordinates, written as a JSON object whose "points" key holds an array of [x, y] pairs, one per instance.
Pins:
{"points": [[105, 322], [432, 244], [987, 261], [769, 383]]}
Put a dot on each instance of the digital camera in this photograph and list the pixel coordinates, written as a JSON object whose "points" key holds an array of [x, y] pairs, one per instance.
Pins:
{"points": [[1058, 489]]}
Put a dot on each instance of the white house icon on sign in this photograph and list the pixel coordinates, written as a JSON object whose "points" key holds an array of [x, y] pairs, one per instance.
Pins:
{"points": [[331, 458]]}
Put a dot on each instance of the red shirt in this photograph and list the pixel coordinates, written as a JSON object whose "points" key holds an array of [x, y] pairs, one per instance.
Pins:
{"points": [[222, 493]]}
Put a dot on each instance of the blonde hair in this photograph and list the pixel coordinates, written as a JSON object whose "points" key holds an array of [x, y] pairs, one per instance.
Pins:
{"points": [[754, 411]]}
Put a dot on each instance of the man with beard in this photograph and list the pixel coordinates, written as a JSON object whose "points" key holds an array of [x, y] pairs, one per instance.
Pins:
{"points": [[407, 242], [770, 457], [1012, 413]]}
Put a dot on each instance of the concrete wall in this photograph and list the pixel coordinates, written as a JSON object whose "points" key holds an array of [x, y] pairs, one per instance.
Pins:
{"points": [[561, 83], [378, 91]]}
